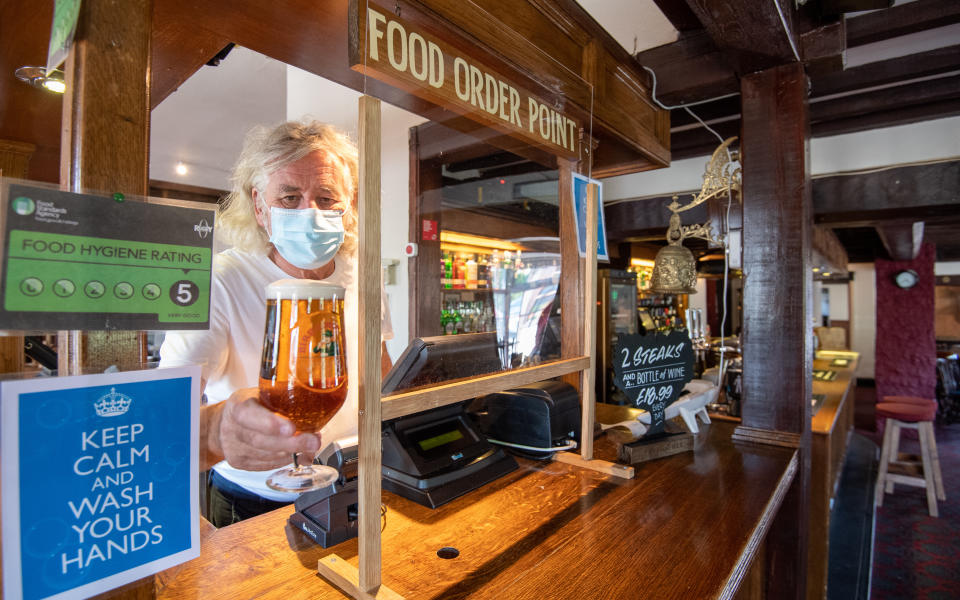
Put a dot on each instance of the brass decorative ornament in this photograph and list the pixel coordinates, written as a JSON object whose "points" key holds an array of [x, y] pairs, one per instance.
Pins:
{"points": [[674, 269]]}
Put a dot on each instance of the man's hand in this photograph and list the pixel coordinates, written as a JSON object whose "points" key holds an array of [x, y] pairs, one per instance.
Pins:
{"points": [[249, 436]]}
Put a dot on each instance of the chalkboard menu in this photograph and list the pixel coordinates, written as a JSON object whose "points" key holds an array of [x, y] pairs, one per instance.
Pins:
{"points": [[652, 370]]}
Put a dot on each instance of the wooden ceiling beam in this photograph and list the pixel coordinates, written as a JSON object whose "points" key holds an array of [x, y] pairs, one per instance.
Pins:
{"points": [[884, 72], [902, 241], [822, 48], [875, 74], [679, 14], [689, 70], [718, 109], [905, 19], [891, 98], [942, 214], [699, 141], [827, 250], [753, 35], [913, 193], [888, 118]]}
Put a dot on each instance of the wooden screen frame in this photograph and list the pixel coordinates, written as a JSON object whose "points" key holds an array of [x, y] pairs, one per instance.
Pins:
{"points": [[365, 582]]}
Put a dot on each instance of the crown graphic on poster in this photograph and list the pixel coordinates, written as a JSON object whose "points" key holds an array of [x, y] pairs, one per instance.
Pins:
{"points": [[112, 404]]}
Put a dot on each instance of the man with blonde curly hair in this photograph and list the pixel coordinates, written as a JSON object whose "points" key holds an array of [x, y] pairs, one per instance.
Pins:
{"points": [[291, 214]]}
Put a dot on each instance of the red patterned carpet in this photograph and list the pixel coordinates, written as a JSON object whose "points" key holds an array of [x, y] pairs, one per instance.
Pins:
{"points": [[915, 555]]}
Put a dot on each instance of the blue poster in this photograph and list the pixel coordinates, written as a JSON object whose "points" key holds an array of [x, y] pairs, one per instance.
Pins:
{"points": [[99, 480], [580, 184]]}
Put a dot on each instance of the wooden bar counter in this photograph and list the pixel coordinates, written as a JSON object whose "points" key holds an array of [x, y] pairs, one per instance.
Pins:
{"points": [[830, 426], [687, 526]]}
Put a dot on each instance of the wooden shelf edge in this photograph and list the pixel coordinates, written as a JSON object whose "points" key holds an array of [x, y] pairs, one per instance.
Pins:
{"points": [[346, 578], [771, 437], [759, 532], [603, 466], [407, 403]]}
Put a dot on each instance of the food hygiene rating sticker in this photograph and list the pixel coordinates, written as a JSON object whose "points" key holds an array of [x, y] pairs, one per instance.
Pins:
{"points": [[79, 261]]}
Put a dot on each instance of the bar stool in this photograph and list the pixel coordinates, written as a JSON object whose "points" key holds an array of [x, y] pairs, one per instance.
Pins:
{"points": [[933, 441], [909, 413]]}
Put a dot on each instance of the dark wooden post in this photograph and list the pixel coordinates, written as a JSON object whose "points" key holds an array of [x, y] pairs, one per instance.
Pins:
{"points": [[426, 191], [104, 148], [14, 161], [777, 302], [104, 144]]}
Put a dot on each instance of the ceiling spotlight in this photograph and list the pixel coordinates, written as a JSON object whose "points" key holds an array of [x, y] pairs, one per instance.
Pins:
{"points": [[37, 76], [181, 168]]}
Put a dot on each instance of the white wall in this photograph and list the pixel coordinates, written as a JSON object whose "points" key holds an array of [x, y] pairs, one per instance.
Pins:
{"points": [[946, 268], [919, 142], [839, 301], [311, 96], [203, 122], [699, 300], [863, 318]]}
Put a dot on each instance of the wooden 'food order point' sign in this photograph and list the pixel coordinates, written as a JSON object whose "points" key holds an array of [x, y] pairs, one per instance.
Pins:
{"points": [[652, 370], [433, 64]]}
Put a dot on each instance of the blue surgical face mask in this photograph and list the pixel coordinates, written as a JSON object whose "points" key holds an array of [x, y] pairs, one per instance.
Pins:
{"points": [[306, 237]]}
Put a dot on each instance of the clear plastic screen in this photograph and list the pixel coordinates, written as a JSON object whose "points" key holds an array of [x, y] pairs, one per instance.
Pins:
{"points": [[475, 137]]}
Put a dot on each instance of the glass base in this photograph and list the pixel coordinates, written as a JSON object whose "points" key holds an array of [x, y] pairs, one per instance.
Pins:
{"points": [[302, 478]]}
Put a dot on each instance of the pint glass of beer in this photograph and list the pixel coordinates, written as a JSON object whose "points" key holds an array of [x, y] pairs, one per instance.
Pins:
{"points": [[303, 370]]}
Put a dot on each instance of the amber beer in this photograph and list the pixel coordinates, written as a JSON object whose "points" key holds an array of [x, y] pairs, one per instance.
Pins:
{"points": [[303, 371]]}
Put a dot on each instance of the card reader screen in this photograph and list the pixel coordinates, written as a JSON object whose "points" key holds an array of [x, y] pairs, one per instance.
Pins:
{"points": [[439, 440]]}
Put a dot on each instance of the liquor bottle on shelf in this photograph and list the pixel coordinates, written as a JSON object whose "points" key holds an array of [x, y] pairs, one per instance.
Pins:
{"points": [[459, 272], [466, 317], [457, 322], [471, 272], [483, 272], [446, 321], [447, 270]]}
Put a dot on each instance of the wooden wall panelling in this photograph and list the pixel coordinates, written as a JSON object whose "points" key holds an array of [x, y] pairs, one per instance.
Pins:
{"points": [[29, 114], [777, 313], [622, 107], [15, 158]]}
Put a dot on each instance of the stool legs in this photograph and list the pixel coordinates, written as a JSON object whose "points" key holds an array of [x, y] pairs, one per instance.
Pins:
{"points": [[927, 427], [884, 462], [929, 484], [894, 448], [932, 479]]}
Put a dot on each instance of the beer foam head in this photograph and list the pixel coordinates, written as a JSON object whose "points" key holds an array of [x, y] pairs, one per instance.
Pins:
{"points": [[300, 289]]}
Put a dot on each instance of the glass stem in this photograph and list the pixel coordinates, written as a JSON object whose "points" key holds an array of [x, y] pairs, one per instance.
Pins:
{"points": [[296, 461]]}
